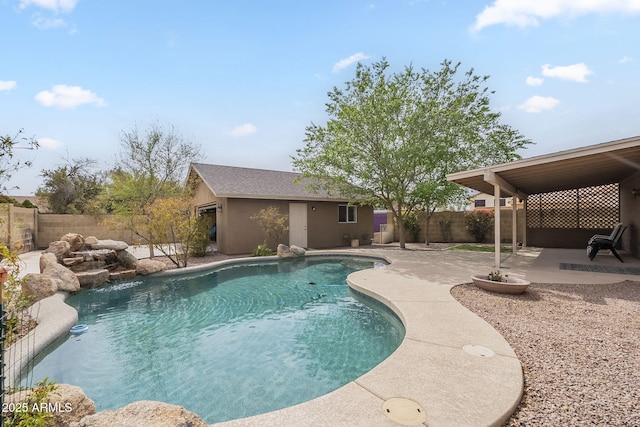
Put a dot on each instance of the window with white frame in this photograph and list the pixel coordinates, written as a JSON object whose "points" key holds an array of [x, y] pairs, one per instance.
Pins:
{"points": [[347, 213]]}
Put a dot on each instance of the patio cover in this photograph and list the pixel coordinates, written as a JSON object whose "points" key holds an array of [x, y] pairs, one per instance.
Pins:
{"points": [[599, 164]]}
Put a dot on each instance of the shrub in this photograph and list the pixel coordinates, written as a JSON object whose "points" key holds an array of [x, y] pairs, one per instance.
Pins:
{"points": [[28, 413], [478, 223], [412, 226], [262, 250], [200, 238]]}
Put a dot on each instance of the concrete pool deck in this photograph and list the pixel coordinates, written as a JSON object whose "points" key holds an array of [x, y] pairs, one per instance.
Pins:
{"points": [[454, 365]]}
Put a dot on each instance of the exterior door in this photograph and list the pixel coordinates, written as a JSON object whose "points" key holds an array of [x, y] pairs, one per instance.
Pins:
{"points": [[298, 224]]}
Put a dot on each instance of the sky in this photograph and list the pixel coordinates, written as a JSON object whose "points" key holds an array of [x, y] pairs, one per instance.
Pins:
{"points": [[243, 79]]}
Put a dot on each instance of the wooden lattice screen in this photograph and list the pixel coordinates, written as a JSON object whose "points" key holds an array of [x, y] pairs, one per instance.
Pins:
{"points": [[589, 207]]}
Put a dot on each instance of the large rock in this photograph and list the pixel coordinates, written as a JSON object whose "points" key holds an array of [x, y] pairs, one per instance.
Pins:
{"points": [[69, 281], [116, 245], [127, 260], [149, 266], [122, 275], [40, 286], [297, 251], [59, 248], [75, 240], [73, 403], [143, 413], [91, 278], [284, 251], [47, 259], [90, 240]]}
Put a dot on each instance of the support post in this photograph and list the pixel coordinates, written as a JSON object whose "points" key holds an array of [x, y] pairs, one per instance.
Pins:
{"points": [[496, 209], [514, 224]]}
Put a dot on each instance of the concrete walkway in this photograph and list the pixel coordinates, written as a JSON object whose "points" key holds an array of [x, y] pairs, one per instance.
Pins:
{"points": [[452, 368]]}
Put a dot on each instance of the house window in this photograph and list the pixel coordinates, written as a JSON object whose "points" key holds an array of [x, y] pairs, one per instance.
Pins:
{"points": [[347, 213], [481, 203], [503, 202]]}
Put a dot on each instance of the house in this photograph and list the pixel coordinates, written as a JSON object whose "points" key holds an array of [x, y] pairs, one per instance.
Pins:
{"points": [[484, 200], [229, 196]]}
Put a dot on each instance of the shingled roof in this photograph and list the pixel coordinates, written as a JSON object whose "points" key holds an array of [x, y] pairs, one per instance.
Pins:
{"points": [[238, 182]]}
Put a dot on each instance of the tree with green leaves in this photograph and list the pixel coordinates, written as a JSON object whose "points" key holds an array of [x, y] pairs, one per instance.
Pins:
{"points": [[9, 164], [391, 138], [73, 188], [152, 165]]}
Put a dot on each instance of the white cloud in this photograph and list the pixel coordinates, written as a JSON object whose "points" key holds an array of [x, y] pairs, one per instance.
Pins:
{"points": [[54, 5], [534, 81], [243, 130], [576, 72], [48, 23], [63, 96], [50, 143], [7, 85], [524, 13], [536, 104], [625, 59], [344, 63]]}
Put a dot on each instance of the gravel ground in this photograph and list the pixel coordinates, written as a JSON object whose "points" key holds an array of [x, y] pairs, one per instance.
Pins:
{"points": [[579, 346]]}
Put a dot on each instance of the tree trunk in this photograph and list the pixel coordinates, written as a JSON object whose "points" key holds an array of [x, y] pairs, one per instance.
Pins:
{"points": [[401, 238], [426, 230]]}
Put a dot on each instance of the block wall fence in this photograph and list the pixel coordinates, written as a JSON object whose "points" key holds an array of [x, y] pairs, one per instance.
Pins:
{"points": [[25, 230]]}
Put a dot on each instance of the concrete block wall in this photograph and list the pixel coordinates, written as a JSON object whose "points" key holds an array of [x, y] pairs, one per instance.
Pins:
{"points": [[18, 227], [449, 227], [53, 226]]}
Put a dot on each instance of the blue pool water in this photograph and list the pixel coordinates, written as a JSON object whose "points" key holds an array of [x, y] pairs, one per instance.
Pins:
{"points": [[227, 343]]}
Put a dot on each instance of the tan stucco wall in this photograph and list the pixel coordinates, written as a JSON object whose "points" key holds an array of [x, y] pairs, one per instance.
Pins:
{"points": [[630, 214], [202, 196], [238, 234]]}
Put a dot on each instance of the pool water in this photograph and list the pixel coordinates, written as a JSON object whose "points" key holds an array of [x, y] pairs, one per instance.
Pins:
{"points": [[228, 343]]}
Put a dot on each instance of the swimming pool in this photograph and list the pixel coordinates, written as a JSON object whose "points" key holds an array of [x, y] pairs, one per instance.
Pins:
{"points": [[231, 342]]}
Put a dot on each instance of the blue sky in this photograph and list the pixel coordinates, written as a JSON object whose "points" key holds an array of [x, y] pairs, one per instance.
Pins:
{"points": [[243, 79]]}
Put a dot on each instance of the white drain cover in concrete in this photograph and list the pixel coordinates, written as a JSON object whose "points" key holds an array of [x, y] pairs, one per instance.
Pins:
{"points": [[478, 350], [403, 411]]}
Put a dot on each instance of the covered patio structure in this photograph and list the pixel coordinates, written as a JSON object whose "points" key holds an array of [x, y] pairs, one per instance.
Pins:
{"points": [[568, 195]]}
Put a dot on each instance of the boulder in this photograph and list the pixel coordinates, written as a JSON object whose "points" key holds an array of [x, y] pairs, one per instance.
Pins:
{"points": [[59, 248], [75, 240], [68, 262], [40, 286], [69, 281], [47, 259], [122, 275], [143, 413], [284, 251], [297, 251], [73, 403], [148, 266], [127, 259], [116, 245], [88, 266], [91, 278], [90, 240]]}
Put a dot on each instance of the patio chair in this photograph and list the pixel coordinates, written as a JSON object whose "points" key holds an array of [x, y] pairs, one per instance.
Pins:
{"points": [[601, 241]]}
